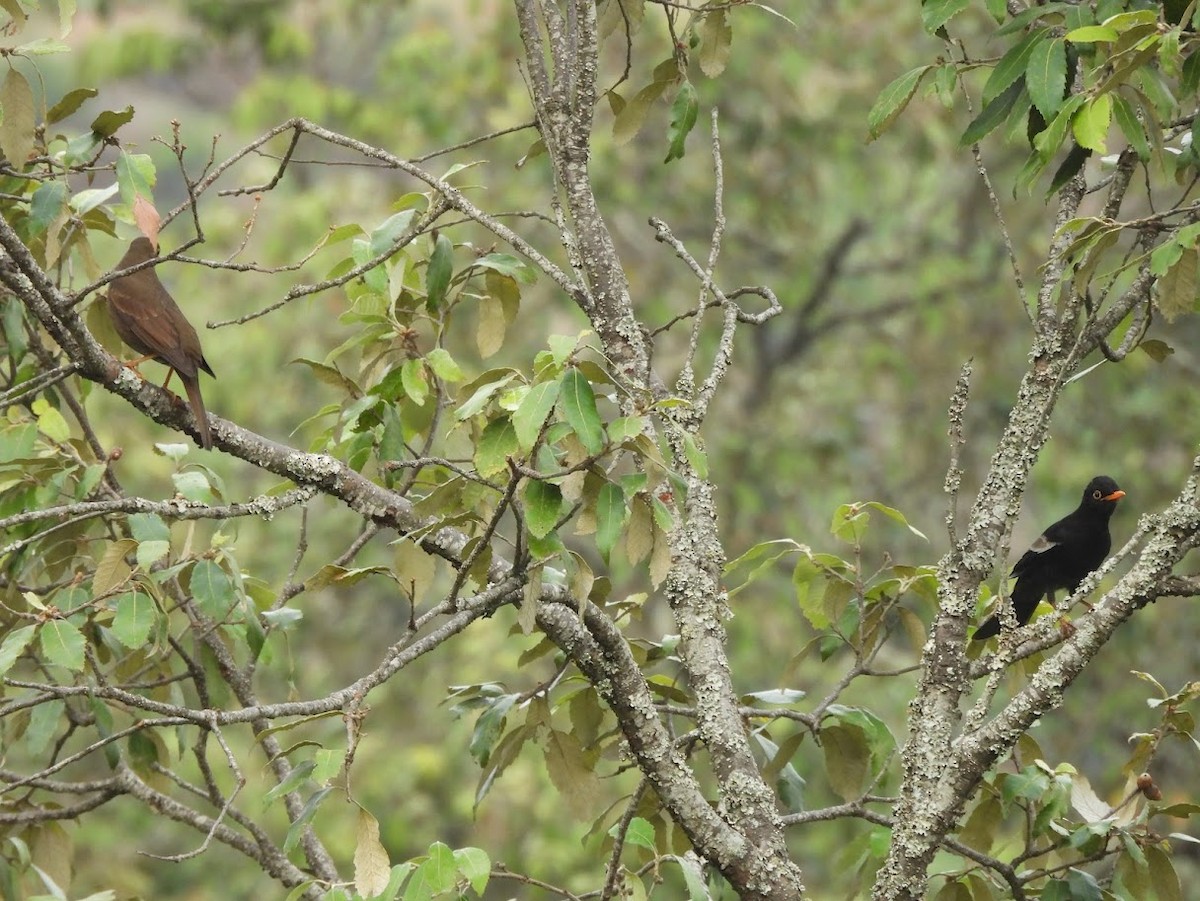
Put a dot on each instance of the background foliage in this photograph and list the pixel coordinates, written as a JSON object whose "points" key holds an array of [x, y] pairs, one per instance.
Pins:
{"points": [[891, 272]]}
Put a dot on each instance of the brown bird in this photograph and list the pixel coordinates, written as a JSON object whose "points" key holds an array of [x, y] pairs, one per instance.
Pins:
{"points": [[148, 320]]}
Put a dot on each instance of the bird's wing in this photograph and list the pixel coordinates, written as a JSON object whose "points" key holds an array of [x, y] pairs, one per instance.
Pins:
{"points": [[150, 327], [1044, 542]]}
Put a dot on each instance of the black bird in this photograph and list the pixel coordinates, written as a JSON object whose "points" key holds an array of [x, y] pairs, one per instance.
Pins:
{"points": [[1063, 555]]}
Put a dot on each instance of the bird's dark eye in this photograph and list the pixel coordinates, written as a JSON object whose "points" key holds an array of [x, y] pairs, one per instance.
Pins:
{"points": [[1097, 494]]}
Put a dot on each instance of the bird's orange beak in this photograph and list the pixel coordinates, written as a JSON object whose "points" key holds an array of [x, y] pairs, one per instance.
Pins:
{"points": [[1115, 496]]}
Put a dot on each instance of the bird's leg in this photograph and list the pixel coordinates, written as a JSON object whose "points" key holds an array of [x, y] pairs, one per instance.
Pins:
{"points": [[167, 380], [132, 365], [1065, 626]]}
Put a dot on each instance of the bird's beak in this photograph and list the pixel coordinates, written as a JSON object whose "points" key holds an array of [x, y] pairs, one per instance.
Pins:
{"points": [[1115, 496]]}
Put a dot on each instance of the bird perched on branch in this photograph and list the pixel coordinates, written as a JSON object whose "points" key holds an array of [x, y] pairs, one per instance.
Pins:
{"points": [[1063, 555], [148, 320]]}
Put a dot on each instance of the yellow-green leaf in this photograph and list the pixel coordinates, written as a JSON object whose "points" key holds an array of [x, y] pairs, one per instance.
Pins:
{"points": [[1091, 122], [16, 130], [372, 868], [62, 643]]}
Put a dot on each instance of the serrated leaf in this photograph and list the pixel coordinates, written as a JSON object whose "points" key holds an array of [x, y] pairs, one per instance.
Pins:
{"points": [[1090, 125], [543, 507], [892, 100], [443, 365], [936, 13], [62, 643], [48, 202], [475, 866], [51, 423], [372, 868], [639, 833], [108, 122], [136, 176], [17, 126], [296, 830], [1013, 65], [639, 537], [1177, 289], [633, 116], [112, 570], [14, 645], [1046, 76], [386, 235], [610, 517], [1130, 126], [571, 773], [684, 110], [497, 443], [506, 264], [438, 272], [1156, 350], [213, 589], [716, 36], [528, 418], [412, 378], [1092, 34], [993, 114], [329, 375], [135, 618], [578, 404], [847, 758]]}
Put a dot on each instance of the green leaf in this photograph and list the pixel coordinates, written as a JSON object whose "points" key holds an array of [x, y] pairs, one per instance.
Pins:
{"points": [[300, 772], [993, 114], [136, 176], [1046, 76], [298, 825], [543, 507], [1092, 34], [1013, 65], [640, 833], [497, 443], [14, 645], [135, 618], [475, 866], [936, 13], [1162, 875], [892, 100], [412, 377], [70, 103], [696, 458], [507, 264], [683, 118], [48, 202], [578, 404], [50, 422], [443, 365], [610, 517], [533, 410], [62, 643], [1127, 119], [390, 231], [1090, 124], [213, 589], [437, 275]]}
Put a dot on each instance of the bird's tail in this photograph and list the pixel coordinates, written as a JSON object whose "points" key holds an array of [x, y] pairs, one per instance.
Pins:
{"points": [[192, 386], [1025, 597]]}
